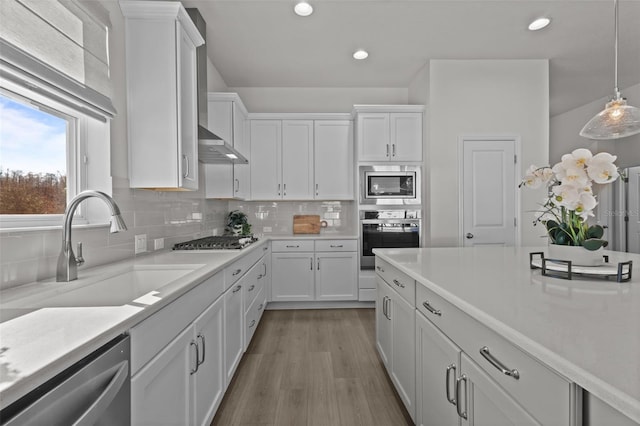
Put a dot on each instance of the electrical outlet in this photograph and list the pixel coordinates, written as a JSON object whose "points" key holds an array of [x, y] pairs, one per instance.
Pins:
{"points": [[266, 229], [214, 232], [158, 243], [140, 243]]}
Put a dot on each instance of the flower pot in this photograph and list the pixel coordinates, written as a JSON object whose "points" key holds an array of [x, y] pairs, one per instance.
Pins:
{"points": [[578, 255]]}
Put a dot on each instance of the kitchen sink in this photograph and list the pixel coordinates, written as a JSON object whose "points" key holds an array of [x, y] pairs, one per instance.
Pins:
{"points": [[140, 284]]}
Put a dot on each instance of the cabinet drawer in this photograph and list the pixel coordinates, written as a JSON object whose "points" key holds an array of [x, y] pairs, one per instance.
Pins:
{"points": [[252, 318], [153, 334], [237, 269], [541, 391], [254, 283], [291, 246], [336, 245], [399, 281]]}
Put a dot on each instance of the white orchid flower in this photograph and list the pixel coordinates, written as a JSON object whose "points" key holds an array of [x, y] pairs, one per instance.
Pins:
{"points": [[560, 169], [575, 176], [566, 196], [536, 176], [586, 203], [603, 157], [602, 171], [581, 157]]}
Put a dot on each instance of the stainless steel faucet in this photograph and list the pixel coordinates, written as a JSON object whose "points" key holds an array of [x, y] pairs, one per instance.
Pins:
{"points": [[67, 261]]}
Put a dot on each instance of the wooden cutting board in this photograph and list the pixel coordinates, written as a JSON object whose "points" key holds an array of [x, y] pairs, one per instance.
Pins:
{"points": [[306, 224]]}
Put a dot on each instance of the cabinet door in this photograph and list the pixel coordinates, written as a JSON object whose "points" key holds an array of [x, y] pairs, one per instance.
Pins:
{"points": [[187, 110], [210, 377], [266, 179], [333, 160], [297, 159], [373, 137], [292, 277], [233, 329], [241, 173], [383, 322], [161, 392], [403, 352], [484, 402], [336, 276], [406, 136], [437, 358]]}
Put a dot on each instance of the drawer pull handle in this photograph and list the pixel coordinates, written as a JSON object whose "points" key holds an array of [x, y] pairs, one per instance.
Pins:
{"points": [[204, 348], [261, 306], [431, 309], [195, 369], [265, 248], [296, 246], [236, 272], [237, 289], [252, 287], [379, 268], [484, 351], [253, 322], [450, 368], [336, 246], [398, 283], [462, 414]]}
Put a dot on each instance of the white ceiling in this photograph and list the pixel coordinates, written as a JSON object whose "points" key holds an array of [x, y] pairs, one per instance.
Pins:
{"points": [[264, 44]]}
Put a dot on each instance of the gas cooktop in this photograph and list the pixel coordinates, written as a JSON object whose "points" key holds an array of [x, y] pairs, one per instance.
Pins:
{"points": [[219, 242]]}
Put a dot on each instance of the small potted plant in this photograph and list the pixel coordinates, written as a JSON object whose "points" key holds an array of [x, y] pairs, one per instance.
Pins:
{"points": [[570, 203], [238, 223]]}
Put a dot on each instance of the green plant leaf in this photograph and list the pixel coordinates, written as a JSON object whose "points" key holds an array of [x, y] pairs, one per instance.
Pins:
{"points": [[561, 239], [593, 244], [595, 231]]}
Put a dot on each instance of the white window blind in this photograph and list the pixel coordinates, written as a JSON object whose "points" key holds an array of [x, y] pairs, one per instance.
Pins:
{"points": [[58, 46]]}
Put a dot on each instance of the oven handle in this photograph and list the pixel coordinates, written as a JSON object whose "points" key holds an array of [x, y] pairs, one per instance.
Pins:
{"points": [[410, 222]]}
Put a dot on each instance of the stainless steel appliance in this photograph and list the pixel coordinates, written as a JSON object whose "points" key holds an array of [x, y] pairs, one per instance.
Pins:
{"points": [[94, 391], [218, 242], [388, 185], [387, 229]]}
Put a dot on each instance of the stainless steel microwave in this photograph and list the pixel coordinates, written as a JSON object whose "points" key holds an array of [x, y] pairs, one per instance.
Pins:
{"points": [[390, 185]]}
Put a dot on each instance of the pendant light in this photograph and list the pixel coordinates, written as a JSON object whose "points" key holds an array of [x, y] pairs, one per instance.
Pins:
{"points": [[618, 119]]}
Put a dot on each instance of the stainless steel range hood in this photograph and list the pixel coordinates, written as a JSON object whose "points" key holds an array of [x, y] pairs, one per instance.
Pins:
{"points": [[211, 147]]}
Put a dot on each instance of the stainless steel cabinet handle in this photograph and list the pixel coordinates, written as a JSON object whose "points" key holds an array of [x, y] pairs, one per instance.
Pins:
{"points": [[284, 189], [431, 309], [278, 189], [469, 235], [194, 344], [237, 185], [237, 289], [204, 348], [253, 322], [462, 414], [316, 189], [384, 306], [398, 283], [318, 261], [236, 272], [380, 269], [251, 287], [264, 274], [292, 246], [389, 308], [387, 150], [484, 351], [186, 162], [336, 246], [450, 368], [261, 306], [311, 263], [394, 150]]}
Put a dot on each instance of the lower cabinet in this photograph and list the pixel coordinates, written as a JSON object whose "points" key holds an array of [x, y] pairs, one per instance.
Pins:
{"points": [[234, 328], [292, 277]]}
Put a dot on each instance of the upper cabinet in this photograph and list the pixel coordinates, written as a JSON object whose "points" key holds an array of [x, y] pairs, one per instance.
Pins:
{"points": [[227, 118], [161, 43], [333, 160], [389, 132]]}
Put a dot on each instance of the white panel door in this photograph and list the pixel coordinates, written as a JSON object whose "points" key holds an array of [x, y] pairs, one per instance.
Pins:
{"points": [[266, 145], [373, 137], [633, 243], [241, 172], [297, 159], [292, 277], [337, 276], [403, 364], [489, 206], [437, 358], [383, 321], [333, 160], [187, 101], [406, 136]]}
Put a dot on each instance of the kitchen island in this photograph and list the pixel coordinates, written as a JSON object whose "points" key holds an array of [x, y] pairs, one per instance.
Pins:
{"points": [[585, 330]]}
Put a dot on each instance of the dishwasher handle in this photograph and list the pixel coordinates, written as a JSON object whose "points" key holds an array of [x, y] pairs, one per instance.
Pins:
{"points": [[97, 409]]}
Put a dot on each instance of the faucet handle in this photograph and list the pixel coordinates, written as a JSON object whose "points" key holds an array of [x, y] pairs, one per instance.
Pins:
{"points": [[79, 258]]}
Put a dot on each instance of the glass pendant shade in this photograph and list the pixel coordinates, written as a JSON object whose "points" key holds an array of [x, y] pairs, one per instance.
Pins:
{"points": [[617, 120]]}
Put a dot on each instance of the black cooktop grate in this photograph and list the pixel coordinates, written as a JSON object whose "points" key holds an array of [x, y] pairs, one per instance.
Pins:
{"points": [[219, 242]]}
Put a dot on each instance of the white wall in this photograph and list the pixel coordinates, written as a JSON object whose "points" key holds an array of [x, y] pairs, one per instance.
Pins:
{"points": [[316, 99], [565, 127], [483, 97]]}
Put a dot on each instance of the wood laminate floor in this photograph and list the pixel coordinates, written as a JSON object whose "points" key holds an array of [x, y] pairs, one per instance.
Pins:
{"points": [[315, 368]]}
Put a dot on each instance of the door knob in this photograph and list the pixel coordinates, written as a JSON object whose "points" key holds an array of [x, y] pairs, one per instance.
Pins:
{"points": [[469, 235]]}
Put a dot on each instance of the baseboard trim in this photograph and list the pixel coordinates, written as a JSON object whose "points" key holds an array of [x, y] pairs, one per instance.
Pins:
{"points": [[318, 305]]}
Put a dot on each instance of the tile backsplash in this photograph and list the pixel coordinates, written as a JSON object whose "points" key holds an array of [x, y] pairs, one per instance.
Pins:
{"points": [[276, 217]]}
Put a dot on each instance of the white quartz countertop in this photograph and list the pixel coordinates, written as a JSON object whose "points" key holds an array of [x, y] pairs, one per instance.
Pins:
{"points": [[320, 236], [586, 329], [36, 343]]}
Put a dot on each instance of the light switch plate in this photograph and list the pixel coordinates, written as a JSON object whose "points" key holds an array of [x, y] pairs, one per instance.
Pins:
{"points": [[158, 243], [266, 229], [140, 243]]}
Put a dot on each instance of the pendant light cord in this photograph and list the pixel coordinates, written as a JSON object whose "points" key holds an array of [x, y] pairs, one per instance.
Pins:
{"points": [[615, 49]]}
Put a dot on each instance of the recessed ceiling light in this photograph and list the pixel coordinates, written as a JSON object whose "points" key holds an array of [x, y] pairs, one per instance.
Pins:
{"points": [[360, 54], [539, 24], [303, 9]]}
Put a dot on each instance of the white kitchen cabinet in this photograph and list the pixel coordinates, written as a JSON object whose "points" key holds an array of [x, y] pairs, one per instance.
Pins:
{"points": [[336, 276], [383, 323], [297, 159], [389, 133], [233, 328], [333, 160], [161, 43], [162, 392], [292, 277], [228, 119], [266, 159]]}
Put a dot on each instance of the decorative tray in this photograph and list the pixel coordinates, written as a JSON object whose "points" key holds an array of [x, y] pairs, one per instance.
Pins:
{"points": [[558, 268]]}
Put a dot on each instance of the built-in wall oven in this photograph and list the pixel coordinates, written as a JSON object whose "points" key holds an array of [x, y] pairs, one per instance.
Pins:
{"points": [[390, 185], [387, 229]]}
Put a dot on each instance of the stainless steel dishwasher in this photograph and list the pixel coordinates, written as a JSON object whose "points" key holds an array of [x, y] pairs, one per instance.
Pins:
{"points": [[94, 391]]}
